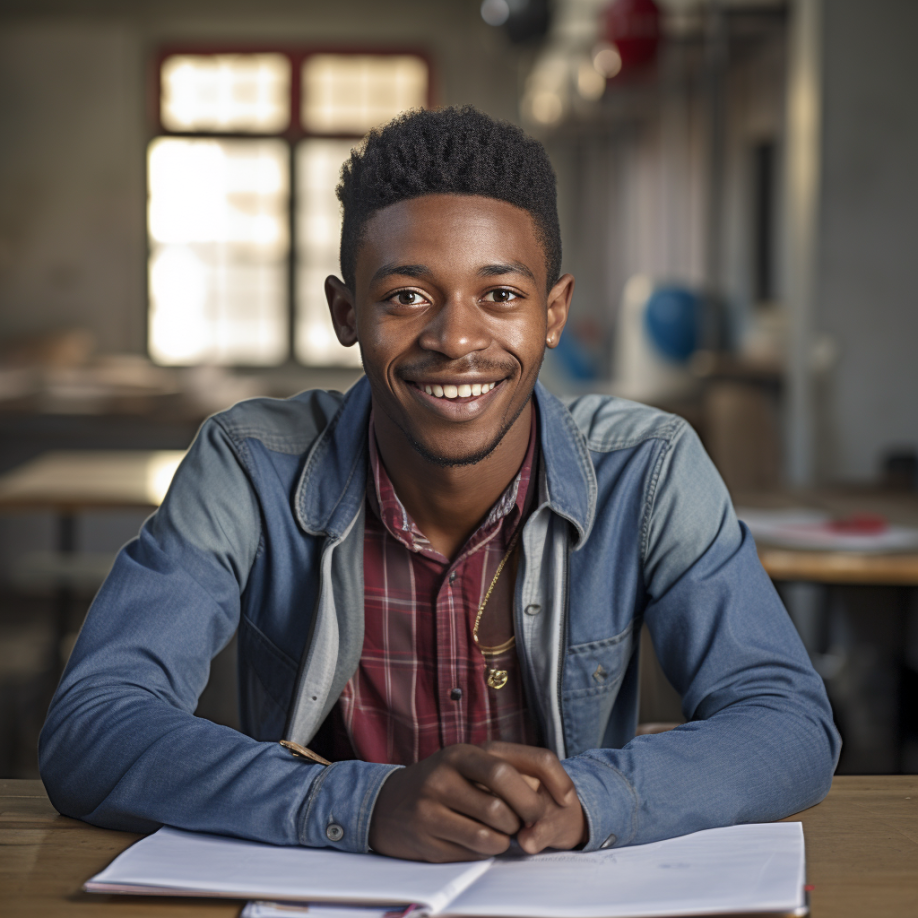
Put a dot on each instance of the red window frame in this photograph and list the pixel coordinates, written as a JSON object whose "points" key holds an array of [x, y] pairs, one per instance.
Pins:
{"points": [[297, 55]]}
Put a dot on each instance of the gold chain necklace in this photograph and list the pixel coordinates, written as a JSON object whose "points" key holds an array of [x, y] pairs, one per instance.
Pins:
{"points": [[497, 678]]}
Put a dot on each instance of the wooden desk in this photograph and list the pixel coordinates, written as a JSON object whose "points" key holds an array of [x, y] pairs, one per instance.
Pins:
{"points": [[861, 849], [840, 567]]}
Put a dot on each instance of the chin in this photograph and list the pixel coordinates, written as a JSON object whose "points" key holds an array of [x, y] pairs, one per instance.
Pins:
{"points": [[458, 458]]}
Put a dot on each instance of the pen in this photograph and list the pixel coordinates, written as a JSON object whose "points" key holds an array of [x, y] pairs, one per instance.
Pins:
{"points": [[301, 752]]}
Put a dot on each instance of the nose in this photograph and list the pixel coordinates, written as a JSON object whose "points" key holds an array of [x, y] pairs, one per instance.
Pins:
{"points": [[455, 330]]}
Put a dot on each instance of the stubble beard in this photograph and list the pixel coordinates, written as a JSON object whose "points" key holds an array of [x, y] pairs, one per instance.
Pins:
{"points": [[455, 462]]}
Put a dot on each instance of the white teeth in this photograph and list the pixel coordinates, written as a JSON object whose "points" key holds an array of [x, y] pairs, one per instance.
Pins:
{"points": [[463, 391]]}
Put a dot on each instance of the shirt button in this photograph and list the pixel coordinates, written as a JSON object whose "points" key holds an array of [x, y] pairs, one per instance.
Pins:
{"points": [[456, 694], [334, 832], [533, 609], [452, 577], [609, 842]]}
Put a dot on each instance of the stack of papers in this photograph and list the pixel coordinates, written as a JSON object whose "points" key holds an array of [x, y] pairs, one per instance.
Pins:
{"points": [[813, 530], [751, 868]]}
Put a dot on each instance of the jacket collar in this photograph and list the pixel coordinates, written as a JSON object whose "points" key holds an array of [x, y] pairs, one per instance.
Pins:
{"points": [[569, 472], [332, 486], [333, 483]]}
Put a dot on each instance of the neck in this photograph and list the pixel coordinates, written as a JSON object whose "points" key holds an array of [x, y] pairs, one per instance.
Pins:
{"points": [[448, 504]]}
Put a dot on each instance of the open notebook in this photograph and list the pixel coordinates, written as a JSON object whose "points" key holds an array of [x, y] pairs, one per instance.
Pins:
{"points": [[752, 869]]}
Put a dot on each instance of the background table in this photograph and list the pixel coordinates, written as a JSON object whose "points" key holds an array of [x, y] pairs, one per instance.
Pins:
{"points": [[856, 622], [837, 568], [69, 482], [895, 569], [861, 850]]}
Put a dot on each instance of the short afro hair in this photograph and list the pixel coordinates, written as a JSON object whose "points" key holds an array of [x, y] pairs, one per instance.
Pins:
{"points": [[448, 151]]}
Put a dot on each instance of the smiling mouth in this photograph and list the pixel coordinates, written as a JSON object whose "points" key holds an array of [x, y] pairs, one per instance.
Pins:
{"points": [[458, 390]]}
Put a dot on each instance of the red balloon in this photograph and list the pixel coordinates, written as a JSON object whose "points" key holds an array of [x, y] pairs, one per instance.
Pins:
{"points": [[633, 26]]}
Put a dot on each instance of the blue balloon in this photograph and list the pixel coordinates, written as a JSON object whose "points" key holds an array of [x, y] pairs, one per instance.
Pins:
{"points": [[672, 318]]}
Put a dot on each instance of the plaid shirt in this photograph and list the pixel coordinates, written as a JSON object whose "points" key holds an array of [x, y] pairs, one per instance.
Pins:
{"points": [[421, 682]]}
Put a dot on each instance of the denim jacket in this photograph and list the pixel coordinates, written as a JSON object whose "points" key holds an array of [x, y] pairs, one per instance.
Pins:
{"points": [[261, 534]]}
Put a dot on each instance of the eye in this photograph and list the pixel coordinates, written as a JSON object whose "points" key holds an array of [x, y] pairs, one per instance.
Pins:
{"points": [[407, 298], [501, 295]]}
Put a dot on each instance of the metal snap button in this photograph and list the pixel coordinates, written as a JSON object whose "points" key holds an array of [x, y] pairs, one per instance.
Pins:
{"points": [[533, 609], [609, 842], [334, 832]]}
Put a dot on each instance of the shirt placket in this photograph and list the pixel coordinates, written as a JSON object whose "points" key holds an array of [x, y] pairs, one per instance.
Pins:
{"points": [[455, 619], [452, 674]]}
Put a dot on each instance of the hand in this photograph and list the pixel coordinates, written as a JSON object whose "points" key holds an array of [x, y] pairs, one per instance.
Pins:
{"points": [[460, 804], [563, 824]]}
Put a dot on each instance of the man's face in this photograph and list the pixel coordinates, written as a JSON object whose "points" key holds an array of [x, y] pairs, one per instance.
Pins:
{"points": [[452, 317]]}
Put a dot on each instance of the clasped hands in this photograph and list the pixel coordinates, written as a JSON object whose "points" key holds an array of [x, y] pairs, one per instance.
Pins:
{"points": [[466, 802]]}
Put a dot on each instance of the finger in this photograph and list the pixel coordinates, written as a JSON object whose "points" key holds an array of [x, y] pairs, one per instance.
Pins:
{"points": [[433, 850], [473, 837], [478, 803], [503, 780], [538, 763], [534, 839], [439, 851], [563, 828], [548, 832], [533, 782]]}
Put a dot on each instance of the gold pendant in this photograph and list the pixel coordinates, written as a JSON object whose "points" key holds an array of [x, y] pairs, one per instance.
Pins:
{"points": [[497, 678]]}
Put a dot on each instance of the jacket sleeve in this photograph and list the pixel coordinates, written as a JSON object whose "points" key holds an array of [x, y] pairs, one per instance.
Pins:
{"points": [[121, 747], [759, 743]]}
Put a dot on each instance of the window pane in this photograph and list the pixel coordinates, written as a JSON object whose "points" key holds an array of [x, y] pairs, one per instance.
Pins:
{"points": [[225, 92], [218, 251], [318, 163], [351, 93]]}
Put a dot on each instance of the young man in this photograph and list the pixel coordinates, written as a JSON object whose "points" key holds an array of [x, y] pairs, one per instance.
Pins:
{"points": [[438, 579]]}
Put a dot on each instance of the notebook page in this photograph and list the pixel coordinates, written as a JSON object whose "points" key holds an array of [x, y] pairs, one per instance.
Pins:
{"points": [[173, 861], [735, 869]]}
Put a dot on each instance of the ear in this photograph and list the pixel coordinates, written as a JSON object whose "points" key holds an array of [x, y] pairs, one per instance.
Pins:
{"points": [[341, 307], [559, 304]]}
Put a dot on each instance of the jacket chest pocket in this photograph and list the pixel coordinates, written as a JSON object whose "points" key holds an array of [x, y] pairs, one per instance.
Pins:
{"points": [[266, 680], [593, 674]]}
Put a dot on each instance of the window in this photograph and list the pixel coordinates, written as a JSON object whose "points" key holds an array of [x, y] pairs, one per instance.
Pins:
{"points": [[243, 221]]}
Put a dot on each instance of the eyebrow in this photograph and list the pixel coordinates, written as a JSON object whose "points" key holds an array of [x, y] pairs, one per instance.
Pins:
{"points": [[390, 270], [512, 267], [422, 271]]}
